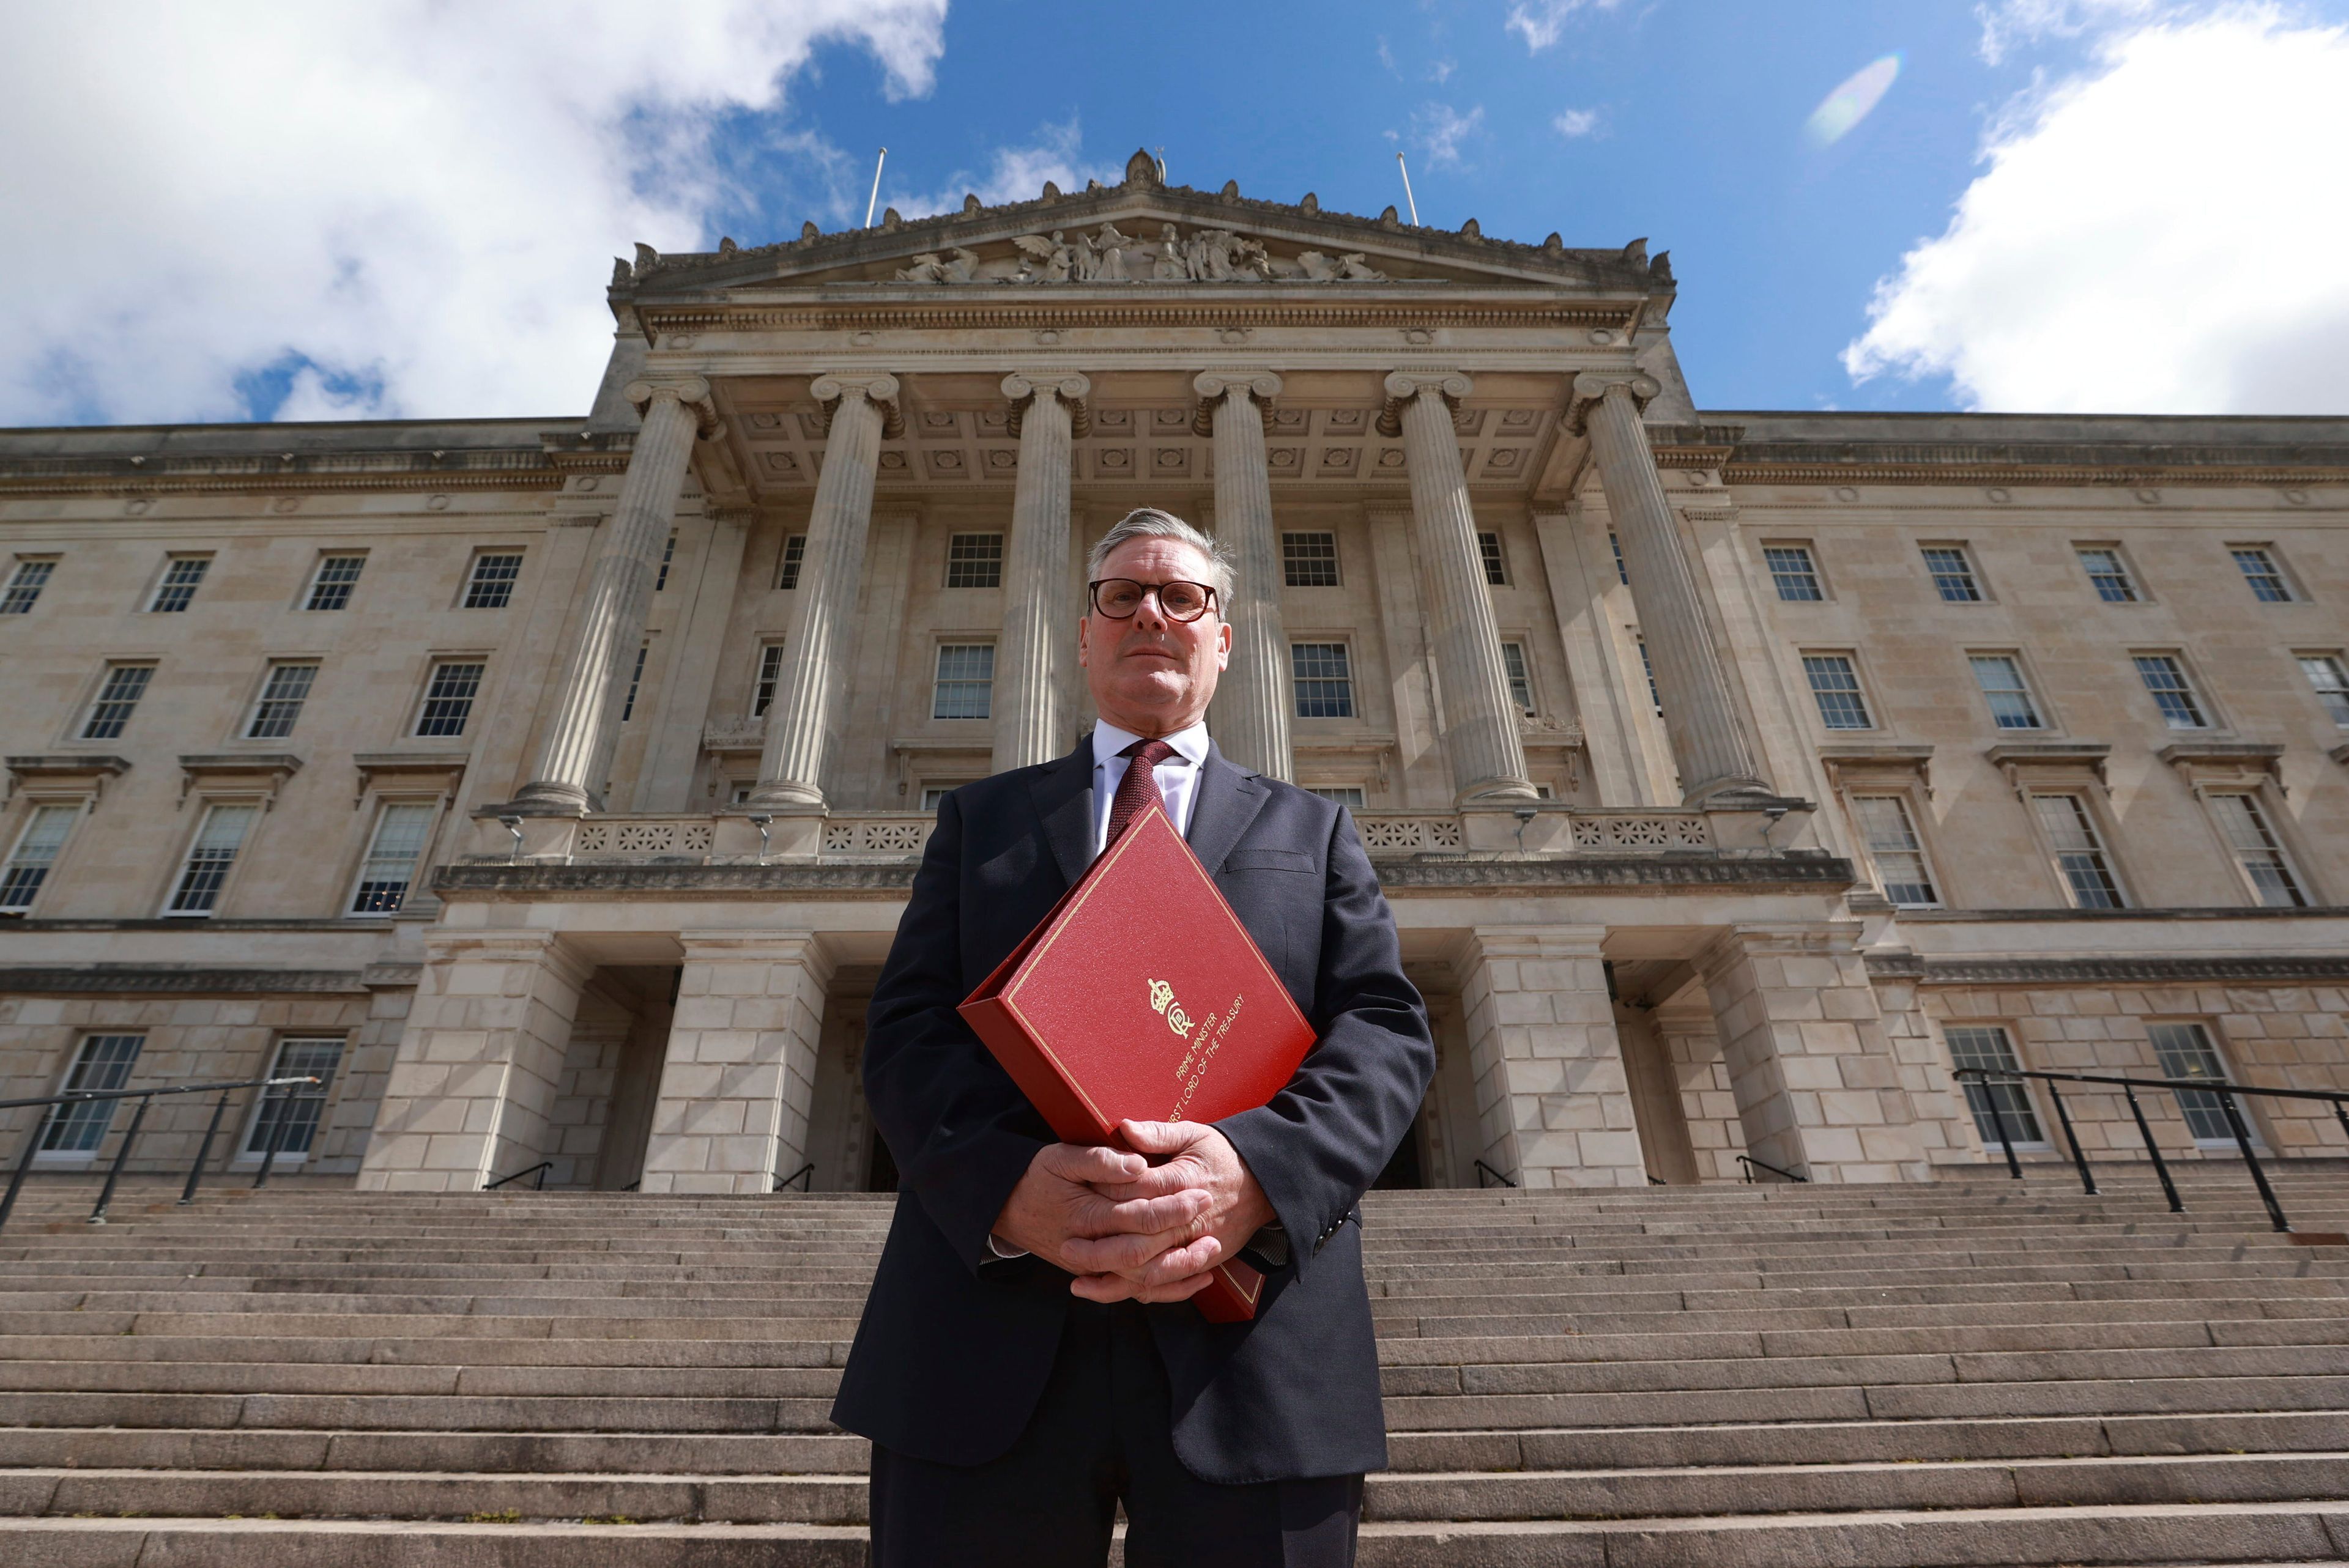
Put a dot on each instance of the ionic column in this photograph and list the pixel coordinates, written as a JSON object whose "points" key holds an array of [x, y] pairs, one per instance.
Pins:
{"points": [[802, 718], [1707, 731], [1250, 713], [568, 778], [1047, 409], [1480, 721]]}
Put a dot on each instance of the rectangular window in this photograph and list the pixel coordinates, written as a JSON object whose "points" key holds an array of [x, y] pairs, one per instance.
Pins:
{"points": [[117, 697], [975, 561], [1953, 575], [932, 794], [1496, 563], [210, 858], [787, 568], [2000, 675], [636, 680], [2108, 572], [1835, 685], [390, 868], [1792, 569], [449, 696], [2259, 566], [36, 851], [491, 585], [1648, 665], [2330, 682], [1622, 573], [770, 670], [1309, 560], [282, 696], [2079, 852], [1892, 844], [177, 589], [1348, 794], [2243, 822], [289, 1117], [668, 553], [1324, 679], [25, 585], [103, 1063], [2165, 680], [331, 585], [966, 685], [2184, 1051], [1985, 1046], [1521, 679]]}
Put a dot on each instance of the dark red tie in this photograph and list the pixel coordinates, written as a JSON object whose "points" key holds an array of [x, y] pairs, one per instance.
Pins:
{"points": [[1139, 789]]}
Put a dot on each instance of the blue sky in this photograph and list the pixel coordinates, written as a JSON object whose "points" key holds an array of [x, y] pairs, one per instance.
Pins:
{"points": [[408, 208], [1697, 141]]}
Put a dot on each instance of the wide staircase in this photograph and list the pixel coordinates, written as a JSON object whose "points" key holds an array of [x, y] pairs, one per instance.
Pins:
{"points": [[1973, 1372]]}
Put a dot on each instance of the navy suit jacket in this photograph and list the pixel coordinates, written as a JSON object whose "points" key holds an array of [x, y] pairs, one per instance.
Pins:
{"points": [[954, 1350]]}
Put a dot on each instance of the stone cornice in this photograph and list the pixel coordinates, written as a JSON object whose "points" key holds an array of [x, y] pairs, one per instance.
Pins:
{"points": [[198, 473], [2030, 972], [1134, 306], [172, 980], [1802, 872], [1837, 458]]}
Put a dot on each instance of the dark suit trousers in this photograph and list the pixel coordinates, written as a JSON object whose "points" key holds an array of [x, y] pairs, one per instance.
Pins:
{"points": [[1103, 1433]]}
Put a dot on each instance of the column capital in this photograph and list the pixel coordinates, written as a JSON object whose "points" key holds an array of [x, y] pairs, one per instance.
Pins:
{"points": [[1592, 384], [1213, 386], [877, 386], [1403, 385], [1072, 387], [692, 391]]}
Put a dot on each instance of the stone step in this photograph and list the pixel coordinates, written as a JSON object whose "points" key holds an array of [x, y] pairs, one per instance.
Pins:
{"points": [[2272, 1532]]}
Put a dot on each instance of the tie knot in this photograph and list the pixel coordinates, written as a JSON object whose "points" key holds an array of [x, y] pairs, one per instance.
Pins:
{"points": [[1148, 753]]}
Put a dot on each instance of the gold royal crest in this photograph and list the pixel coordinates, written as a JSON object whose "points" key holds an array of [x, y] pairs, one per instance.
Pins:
{"points": [[1162, 1000]]}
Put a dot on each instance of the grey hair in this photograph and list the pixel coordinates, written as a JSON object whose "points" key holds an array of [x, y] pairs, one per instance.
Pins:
{"points": [[1150, 523]]}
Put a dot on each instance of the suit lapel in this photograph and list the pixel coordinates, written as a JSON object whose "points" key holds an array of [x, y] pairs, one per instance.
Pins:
{"points": [[1063, 795], [1228, 800]]}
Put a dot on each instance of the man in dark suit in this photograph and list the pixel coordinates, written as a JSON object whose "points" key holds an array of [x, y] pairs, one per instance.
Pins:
{"points": [[1028, 1360]]}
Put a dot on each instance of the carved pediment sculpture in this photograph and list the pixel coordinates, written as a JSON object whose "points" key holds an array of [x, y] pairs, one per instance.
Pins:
{"points": [[1108, 255]]}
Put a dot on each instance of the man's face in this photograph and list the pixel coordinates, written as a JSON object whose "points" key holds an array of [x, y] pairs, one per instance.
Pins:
{"points": [[1150, 674]]}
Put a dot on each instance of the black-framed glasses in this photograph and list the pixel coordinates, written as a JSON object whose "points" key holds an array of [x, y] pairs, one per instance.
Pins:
{"points": [[1121, 598]]}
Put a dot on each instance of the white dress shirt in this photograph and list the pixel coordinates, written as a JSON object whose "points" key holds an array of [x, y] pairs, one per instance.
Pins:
{"points": [[1177, 776]]}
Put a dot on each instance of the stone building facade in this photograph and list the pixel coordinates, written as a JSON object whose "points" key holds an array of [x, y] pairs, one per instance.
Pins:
{"points": [[551, 786]]}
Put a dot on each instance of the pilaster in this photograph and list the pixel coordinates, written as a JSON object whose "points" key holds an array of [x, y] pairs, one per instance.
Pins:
{"points": [[471, 1088], [739, 1079], [1553, 1102], [1817, 1082]]}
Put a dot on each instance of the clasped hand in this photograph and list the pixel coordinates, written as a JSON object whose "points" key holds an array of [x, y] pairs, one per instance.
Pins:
{"points": [[1129, 1229]]}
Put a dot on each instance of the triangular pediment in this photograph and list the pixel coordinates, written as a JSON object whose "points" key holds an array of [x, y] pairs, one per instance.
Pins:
{"points": [[1140, 233]]}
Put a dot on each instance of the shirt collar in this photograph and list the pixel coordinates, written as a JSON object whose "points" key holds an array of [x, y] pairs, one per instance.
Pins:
{"points": [[1191, 743]]}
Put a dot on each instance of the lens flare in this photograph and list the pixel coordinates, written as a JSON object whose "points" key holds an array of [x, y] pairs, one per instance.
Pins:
{"points": [[1849, 103]]}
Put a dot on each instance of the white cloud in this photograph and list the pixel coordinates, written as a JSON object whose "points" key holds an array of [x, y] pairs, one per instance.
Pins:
{"points": [[1575, 122], [2007, 24], [1541, 23], [1442, 132], [1017, 174], [2158, 235], [410, 205]]}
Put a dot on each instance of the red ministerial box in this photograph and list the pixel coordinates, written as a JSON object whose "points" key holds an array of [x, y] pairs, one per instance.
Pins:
{"points": [[1141, 996]]}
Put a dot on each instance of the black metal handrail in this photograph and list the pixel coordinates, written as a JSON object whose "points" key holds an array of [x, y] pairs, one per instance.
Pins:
{"points": [[1484, 1170], [2218, 1088], [804, 1176], [271, 1117], [1750, 1162], [540, 1169]]}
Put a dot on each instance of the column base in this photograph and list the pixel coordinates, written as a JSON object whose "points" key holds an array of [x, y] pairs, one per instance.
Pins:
{"points": [[546, 798], [785, 795], [1496, 792]]}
